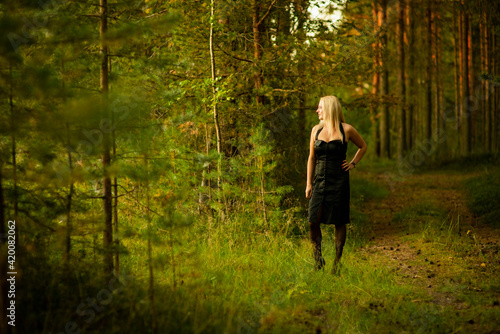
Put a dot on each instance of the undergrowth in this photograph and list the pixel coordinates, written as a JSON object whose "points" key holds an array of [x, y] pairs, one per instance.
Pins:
{"points": [[245, 275], [484, 197]]}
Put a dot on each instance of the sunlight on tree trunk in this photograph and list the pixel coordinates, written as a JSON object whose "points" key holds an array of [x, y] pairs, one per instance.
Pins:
{"points": [[385, 137], [214, 103]]}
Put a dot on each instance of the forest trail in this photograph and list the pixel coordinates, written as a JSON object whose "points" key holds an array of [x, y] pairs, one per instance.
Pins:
{"points": [[442, 269]]}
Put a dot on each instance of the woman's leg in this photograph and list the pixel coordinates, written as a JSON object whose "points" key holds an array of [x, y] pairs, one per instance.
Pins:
{"points": [[316, 237], [340, 236]]}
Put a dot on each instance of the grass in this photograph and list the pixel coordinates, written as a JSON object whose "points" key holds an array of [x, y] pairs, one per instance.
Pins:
{"points": [[273, 282], [243, 276], [363, 190]]}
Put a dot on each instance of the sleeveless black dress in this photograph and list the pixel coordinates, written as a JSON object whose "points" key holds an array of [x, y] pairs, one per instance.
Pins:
{"points": [[330, 198]]}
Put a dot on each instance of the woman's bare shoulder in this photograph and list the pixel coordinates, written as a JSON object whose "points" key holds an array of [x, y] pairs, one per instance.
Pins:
{"points": [[348, 127]]}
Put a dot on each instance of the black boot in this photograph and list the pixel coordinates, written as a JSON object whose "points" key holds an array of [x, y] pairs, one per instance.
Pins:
{"points": [[318, 259]]}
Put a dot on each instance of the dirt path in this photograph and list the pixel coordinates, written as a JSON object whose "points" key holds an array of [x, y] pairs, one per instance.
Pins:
{"points": [[423, 262]]}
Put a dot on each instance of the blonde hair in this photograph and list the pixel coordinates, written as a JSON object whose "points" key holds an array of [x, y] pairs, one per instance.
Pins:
{"points": [[332, 114]]}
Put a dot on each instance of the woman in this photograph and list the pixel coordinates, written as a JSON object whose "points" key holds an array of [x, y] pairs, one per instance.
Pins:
{"points": [[329, 191]]}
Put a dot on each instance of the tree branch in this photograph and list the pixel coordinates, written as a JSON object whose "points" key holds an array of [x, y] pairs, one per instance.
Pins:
{"points": [[268, 11], [235, 57]]}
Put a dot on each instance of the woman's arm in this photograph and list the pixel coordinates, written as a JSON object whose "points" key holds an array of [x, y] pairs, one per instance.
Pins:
{"points": [[356, 138], [311, 162]]}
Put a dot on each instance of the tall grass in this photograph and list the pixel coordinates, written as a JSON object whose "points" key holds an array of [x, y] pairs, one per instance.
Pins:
{"points": [[244, 276]]}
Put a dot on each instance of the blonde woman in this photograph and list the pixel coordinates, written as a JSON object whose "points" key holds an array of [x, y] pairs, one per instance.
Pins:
{"points": [[329, 190]]}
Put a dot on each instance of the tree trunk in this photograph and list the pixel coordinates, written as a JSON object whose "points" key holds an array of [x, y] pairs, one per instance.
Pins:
{"points": [[465, 98], [377, 17], [428, 76], [302, 105], [440, 122], [115, 213], [69, 197], [257, 23], [457, 62], [300, 8], [214, 101], [401, 79], [484, 116], [411, 77], [494, 96], [442, 131], [487, 110], [385, 143], [471, 82], [106, 156], [461, 80], [284, 21], [257, 42]]}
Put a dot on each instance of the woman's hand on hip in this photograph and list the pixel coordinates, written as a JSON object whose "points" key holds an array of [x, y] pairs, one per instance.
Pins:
{"points": [[346, 166]]}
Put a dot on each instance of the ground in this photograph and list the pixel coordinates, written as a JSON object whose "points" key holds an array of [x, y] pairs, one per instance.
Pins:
{"points": [[436, 259]]}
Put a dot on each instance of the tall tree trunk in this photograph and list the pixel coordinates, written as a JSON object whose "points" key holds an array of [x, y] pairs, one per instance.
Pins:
{"points": [[69, 197], [440, 108], [401, 79], [257, 21], [428, 76], [456, 53], [302, 104], [214, 101], [116, 235], [487, 110], [411, 77], [472, 83], [257, 44], [484, 116], [300, 10], [385, 139], [115, 211], [284, 20], [466, 109], [377, 17], [440, 122], [434, 68], [461, 79], [106, 155], [494, 96]]}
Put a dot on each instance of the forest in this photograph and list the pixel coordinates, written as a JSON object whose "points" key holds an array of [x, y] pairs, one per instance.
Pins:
{"points": [[153, 166]]}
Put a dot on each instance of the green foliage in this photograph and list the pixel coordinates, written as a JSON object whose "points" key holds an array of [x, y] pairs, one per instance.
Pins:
{"points": [[226, 229], [484, 196]]}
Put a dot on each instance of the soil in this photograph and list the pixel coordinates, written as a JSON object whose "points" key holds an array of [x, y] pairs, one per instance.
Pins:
{"points": [[423, 263]]}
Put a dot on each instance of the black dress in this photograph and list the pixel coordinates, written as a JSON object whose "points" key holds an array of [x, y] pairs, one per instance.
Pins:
{"points": [[330, 195]]}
